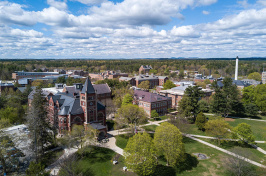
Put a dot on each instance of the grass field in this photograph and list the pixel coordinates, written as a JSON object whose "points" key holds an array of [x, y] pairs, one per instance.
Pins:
{"points": [[121, 140], [258, 128], [150, 127], [98, 162]]}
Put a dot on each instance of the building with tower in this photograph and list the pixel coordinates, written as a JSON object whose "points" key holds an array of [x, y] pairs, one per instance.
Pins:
{"points": [[76, 105]]}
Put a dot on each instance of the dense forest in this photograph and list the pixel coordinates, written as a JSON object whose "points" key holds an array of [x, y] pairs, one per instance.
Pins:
{"points": [[160, 66]]}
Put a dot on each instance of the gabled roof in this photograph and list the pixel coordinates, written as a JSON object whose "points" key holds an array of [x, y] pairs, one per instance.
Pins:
{"points": [[88, 88], [102, 88]]}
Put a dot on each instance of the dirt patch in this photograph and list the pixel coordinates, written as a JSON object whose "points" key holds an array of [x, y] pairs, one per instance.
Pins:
{"points": [[229, 119]]}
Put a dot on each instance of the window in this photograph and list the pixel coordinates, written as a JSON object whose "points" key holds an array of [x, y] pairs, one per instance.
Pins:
{"points": [[90, 98], [65, 120], [83, 98]]}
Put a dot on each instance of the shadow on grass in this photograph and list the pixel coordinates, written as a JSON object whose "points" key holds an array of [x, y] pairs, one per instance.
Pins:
{"points": [[187, 140], [189, 163], [245, 116], [162, 170], [230, 144]]}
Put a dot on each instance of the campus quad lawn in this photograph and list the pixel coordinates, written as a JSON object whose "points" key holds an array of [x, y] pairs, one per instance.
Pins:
{"points": [[209, 167], [99, 162], [258, 128]]}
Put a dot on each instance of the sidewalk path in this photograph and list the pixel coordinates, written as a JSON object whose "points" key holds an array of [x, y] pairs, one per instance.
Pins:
{"points": [[226, 151], [209, 137]]}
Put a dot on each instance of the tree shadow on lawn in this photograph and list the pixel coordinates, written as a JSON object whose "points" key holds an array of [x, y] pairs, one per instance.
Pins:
{"points": [[230, 144], [189, 163]]}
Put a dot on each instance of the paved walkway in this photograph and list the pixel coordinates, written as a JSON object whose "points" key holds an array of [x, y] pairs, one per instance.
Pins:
{"points": [[227, 152], [238, 118], [209, 137]]}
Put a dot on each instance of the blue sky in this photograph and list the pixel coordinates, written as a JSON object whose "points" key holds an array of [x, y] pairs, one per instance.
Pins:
{"points": [[132, 28]]}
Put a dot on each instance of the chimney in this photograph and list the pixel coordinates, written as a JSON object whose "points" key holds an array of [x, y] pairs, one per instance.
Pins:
{"points": [[236, 72]]}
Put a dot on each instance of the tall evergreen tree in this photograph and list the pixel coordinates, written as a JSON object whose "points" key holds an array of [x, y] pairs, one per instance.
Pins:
{"points": [[40, 130], [188, 106]]}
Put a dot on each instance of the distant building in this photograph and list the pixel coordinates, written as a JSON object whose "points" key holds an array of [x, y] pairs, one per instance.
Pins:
{"points": [[132, 81], [251, 82], [60, 71], [152, 101], [34, 75], [107, 75], [144, 69], [6, 86], [263, 77], [153, 80], [177, 94]]}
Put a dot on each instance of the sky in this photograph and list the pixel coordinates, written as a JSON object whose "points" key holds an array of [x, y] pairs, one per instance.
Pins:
{"points": [[110, 29]]}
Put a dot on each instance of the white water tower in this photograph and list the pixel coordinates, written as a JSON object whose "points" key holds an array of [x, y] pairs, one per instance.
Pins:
{"points": [[236, 72]]}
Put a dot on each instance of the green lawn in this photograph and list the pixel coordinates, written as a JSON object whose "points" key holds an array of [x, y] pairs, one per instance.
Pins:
{"points": [[97, 161], [247, 150], [209, 167], [121, 140], [258, 128], [150, 127]]}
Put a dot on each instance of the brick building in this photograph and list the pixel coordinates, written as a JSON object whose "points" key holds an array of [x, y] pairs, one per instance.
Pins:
{"points": [[152, 101], [144, 69], [6, 86], [153, 80], [75, 105], [132, 81]]}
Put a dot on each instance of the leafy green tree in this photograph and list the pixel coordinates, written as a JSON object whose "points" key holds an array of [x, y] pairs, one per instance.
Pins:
{"points": [[154, 114], [181, 74], [168, 142], [61, 79], [9, 113], [153, 71], [218, 128], [36, 169], [168, 85], [119, 94], [251, 109], [145, 85], [255, 75], [203, 106], [78, 132], [244, 133], [188, 106], [140, 154], [207, 81], [201, 120], [128, 99], [130, 115]]}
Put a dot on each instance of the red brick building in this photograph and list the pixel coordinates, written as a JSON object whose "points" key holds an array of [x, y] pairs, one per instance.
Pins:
{"points": [[76, 105], [152, 101]]}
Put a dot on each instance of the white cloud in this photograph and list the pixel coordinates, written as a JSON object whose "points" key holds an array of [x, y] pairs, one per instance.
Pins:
{"points": [[61, 5], [243, 3], [205, 12], [90, 2], [261, 2]]}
